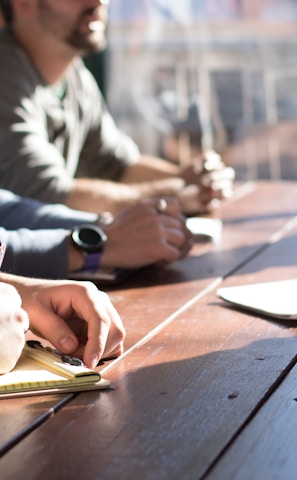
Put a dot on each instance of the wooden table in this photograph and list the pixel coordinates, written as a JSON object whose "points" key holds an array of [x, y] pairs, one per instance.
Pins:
{"points": [[203, 391]]}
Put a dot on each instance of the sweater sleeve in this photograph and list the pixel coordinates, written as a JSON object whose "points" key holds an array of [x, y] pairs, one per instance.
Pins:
{"points": [[47, 140], [18, 212], [39, 253], [35, 235]]}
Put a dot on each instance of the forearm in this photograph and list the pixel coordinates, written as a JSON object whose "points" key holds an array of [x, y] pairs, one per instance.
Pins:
{"points": [[23, 284], [140, 181], [97, 196], [150, 168], [40, 253]]}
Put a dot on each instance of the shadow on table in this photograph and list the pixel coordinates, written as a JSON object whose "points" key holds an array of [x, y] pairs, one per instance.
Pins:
{"points": [[215, 263]]}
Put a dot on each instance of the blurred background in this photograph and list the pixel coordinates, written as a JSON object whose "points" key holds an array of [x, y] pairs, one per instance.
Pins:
{"points": [[183, 76]]}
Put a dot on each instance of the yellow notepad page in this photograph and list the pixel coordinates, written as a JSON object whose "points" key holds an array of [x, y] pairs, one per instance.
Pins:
{"points": [[46, 373]]}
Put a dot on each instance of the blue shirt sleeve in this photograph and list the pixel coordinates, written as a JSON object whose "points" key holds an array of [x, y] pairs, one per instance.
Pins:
{"points": [[35, 253], [17, 212], [35, 235]]}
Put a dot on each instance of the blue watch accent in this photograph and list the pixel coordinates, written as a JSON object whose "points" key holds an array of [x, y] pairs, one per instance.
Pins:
{"points": [[92, 261], [90, 240]]}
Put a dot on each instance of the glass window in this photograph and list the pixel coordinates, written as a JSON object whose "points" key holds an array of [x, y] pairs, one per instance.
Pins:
{"points": [[183, 76]]}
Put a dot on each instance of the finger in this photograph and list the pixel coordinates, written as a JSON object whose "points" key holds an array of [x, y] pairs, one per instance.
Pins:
{"points": [[210, 160], [173, 229], [94, 308], [192, 201], [218, 191], [24, 319], [55, 330], [114, 353], [105, 331], [175, 243], [225, 175], [168, 206]]}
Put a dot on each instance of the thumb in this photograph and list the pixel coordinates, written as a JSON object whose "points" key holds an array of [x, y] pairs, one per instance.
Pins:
{"points": [[54, 329]]}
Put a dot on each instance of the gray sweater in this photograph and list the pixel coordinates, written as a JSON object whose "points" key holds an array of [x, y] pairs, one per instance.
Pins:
{"points": [[50, 135]]}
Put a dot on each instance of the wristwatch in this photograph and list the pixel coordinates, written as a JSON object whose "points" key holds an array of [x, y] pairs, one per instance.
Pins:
{"points": [[90, 240]]}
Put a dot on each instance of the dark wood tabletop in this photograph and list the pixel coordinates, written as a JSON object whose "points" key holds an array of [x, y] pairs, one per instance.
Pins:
{"points": [[203, 390]]}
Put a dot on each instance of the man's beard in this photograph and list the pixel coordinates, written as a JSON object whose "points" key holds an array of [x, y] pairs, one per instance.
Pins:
{"points": [[86, 44]]}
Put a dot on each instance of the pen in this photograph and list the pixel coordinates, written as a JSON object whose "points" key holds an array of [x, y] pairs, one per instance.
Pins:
{"points": [[65, 358]]}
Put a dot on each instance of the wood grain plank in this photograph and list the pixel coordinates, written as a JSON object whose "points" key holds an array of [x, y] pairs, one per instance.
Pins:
{"points": [[145, 301], [177, 403], [179, 399], [20, 416], [267, 446], [250, 219]]}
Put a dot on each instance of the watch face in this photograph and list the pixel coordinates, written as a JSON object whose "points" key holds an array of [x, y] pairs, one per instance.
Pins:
{"points": [[89, 238]]}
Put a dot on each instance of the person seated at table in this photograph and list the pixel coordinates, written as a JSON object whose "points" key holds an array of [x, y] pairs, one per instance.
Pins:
{"points": [[58, 141], [39, 241], [75, 317]]}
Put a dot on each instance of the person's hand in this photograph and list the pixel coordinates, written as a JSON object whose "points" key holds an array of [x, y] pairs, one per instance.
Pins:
{"points": [[75, 317], [148, 232], [13, 325], [207, 181]]}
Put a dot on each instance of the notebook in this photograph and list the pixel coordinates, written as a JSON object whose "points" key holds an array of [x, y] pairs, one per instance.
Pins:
{"points": [[276, 299], [41, 370]]}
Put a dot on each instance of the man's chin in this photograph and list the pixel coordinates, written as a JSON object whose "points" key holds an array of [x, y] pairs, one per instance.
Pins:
{"points": [[95, 43], [97, 46]]}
